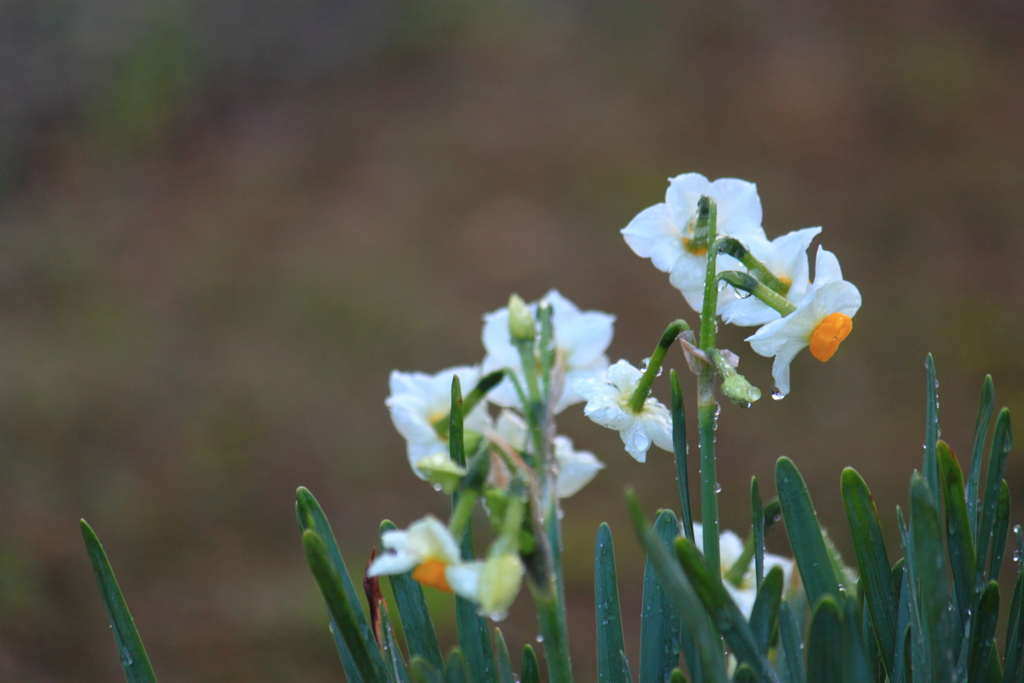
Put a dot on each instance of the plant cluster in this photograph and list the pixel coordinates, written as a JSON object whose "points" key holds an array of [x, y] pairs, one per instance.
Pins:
{"points": [[715, 603]]}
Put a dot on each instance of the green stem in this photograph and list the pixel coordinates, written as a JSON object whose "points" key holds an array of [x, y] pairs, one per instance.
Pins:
{"points": [[463, 503], [707, 408], [556, 645], [733, 247], [749, 283], [643, 387]]}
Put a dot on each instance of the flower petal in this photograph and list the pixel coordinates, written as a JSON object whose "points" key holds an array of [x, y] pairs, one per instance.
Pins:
{"points": [[653, 234]]}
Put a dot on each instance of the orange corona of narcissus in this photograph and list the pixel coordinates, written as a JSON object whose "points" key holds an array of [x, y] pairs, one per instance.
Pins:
{"points": [[829, 334]]}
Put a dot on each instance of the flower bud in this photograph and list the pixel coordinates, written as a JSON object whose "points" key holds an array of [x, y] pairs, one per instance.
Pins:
{"points": [[439, 469], [500, 581], [521, 326]]}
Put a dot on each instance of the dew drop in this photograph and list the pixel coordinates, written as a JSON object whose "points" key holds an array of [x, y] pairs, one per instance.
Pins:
{"points": [[777, 394], [126, 657], [437, 487], [540, 638], [644, 364], [718, 487]]}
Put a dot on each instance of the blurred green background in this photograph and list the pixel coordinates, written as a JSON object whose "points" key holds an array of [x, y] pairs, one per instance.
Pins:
{"points": [[223, 223]]}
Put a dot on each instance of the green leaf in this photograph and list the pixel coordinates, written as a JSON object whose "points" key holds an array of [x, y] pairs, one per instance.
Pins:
{"points": [[757, 517], [919, 658], [474, 636], [423, 671], [530, 672], [133, 655], [1014, 633], [930, 566], [678, 587], [724, 612], [855, 653], [504, 662], [825, 643], [417, 625], [456, 442], [609, 619], [809, 549], [677, 676], [931, 427], [958, 533], [392, 654], [984, 633], [765, 614], [682, 452], [792, 653], [311, 518], [744, 674], [873, 561], [342, 611], [988, 399], [1000, 530], [1002, 441], [660, 624], [455, 669]]}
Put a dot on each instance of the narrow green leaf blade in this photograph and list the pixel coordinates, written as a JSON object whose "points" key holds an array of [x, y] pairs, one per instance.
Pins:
{"points": [[660, 624], [417, 625], [502, 658], [931, 427], [958, 533], [130, 649], [724, 612], [609, 618], [988, 400], [682, 452], [1000, 531], [1002, 441], [311, 517], [343, 613], [765, 613], [423, 671], [474, 636], [757, 517], [392, 654], [984, 637], [456, 669], [825, 643], [873, 561], [792, 646], [529, 672], [930, 561], [809, 549], [1014, 633], [678, 587], [919, 656], [855, 652]]}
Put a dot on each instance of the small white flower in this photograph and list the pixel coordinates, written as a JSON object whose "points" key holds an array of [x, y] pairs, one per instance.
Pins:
{"points": [[822, 320], [730, 548], [581, 339], [664, 232], [575, 468], [426, 548], [608, 405], [786, 258], [418, 400]]}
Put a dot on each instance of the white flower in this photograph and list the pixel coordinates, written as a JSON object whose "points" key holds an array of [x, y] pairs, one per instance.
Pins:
{"points": [[581, 338], [608, 405], [786, 258], [822, 320], [575, 468], [426, 548], [730, 548], [418, 400], [663, 232]]}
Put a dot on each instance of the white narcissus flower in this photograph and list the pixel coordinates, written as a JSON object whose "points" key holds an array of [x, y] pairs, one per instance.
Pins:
{"points": [[822, 320], [575, 468], [664, 232], [419, 400], [786, 258], [581, 339], [608, 405], [426, 548], [730, 548]]}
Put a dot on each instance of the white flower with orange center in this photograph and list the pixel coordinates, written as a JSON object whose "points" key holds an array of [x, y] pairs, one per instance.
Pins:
{"points": [[580, 338], [821, 321], [427, 549], [665, 232], [786, 258], [419, 404], [608, 405]]}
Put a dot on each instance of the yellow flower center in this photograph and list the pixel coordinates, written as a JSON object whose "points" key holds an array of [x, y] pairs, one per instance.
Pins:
{"points": [[829, 334], [694, 249], [431, 573]]}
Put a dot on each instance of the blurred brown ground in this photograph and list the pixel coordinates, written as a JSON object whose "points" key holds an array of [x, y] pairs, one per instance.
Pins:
{"points": [[223, 223]]}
